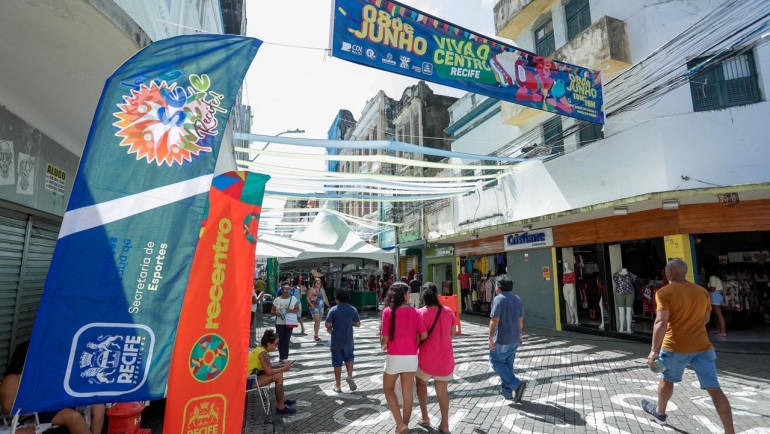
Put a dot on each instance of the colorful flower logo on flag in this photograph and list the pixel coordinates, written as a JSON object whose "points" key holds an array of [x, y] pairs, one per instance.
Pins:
{"points": [[167, 123], [208, 358]]}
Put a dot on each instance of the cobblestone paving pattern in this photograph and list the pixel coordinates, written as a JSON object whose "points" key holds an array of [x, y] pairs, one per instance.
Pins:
{"points": [[576, 383]]}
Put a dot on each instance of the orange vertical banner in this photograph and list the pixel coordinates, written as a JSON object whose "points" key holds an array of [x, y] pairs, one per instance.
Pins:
{"points": [[207, 377]]}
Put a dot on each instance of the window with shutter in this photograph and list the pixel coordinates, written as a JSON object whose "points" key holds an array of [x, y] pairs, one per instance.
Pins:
{"points": [[552, 130], [589, 133], [578, 15], [731, 83], [545, 44]]}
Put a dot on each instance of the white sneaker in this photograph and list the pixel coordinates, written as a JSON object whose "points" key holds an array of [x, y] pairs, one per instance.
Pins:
{"points": [[351, 383]]}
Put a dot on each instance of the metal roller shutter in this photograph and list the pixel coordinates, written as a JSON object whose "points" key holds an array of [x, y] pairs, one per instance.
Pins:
{"points": [[26, 247], [13, 229], [37, 260]]}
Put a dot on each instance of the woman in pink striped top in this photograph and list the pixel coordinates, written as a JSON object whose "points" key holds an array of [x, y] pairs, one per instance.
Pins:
{"points": [[401, 330]]}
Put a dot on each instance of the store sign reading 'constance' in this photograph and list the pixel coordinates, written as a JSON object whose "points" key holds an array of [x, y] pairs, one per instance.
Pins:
{"points": [[529, 240]]}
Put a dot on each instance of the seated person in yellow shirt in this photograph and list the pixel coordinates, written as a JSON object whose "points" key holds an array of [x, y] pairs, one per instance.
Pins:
{"points": [[259, 365]]}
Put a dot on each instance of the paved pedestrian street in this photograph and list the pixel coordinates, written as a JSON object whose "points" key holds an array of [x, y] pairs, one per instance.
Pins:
{"points": [[576, 383]]}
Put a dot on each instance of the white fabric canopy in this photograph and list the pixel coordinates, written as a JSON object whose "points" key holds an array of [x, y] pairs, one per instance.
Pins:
{"points": [[274, 246], [329, 237]]}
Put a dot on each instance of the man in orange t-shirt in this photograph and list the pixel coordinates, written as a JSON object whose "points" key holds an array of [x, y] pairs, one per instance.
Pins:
{"points": [[679, 338]]}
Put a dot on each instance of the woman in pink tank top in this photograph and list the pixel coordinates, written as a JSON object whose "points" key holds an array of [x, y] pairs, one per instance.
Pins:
{"points": [[401, 330]]}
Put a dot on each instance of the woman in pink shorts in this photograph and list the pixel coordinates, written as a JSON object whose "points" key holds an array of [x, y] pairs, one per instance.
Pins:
{"points": [[401, 330], [436, 356]]}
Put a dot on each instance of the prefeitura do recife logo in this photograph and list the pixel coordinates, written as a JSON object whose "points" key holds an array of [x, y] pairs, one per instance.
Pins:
{"points": [[109, 359], [166, 123]]}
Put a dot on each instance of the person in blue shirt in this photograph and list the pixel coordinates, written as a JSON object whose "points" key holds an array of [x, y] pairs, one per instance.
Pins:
{"points": [[505, 327], [339, 323]]}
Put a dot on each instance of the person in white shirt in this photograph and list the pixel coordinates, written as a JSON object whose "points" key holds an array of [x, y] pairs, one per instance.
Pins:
{"points": [[285, 303], [715, 293]]}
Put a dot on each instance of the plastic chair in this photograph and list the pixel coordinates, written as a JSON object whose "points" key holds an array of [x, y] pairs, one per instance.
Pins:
{"points": [[264, 395], [14, 425]]}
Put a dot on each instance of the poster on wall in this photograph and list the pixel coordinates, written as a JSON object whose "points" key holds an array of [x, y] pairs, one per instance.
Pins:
{"points": [[388, 35], [7, 169], [56, 183], [26, 181], [55, 179]]}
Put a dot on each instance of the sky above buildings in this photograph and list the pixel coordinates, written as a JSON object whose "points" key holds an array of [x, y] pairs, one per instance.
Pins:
{"points": [[290, 88], [299, 88]]}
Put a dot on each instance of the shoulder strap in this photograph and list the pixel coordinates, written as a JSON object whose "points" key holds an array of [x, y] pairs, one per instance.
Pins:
{"points": [[433, 326]]}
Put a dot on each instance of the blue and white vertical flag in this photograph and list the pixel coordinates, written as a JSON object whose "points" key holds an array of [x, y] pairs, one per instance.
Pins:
{"points": [[108, 315]]}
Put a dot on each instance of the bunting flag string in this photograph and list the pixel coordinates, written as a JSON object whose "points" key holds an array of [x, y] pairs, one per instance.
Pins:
{"points": [[332, 211], [368, 187], [358, 197], [366, 181], [373, 194], [384, 159], [271, 170], [385, 145]]}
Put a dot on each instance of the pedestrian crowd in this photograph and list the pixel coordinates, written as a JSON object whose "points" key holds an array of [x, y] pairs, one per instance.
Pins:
{"points": [[417, 342]]}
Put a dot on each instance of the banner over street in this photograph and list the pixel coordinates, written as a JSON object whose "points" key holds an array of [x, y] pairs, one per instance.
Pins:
{"points": [[387, 35]]}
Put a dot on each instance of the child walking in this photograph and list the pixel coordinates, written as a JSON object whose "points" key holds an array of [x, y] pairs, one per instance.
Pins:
{"points": [[339, 323]]}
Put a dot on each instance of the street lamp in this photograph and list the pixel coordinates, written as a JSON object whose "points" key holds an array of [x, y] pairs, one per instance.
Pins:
{"points": [[295, 131]]}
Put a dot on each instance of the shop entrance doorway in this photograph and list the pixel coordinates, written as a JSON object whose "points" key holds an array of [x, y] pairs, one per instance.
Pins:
{"points": [[734, 267]]}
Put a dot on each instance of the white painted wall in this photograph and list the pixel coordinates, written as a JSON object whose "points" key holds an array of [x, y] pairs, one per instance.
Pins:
{"points": [[645, 151], [158, 18]]}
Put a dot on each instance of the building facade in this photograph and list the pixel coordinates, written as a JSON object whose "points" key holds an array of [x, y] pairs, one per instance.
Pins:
{"points": [[676, 178], [419, 117]]}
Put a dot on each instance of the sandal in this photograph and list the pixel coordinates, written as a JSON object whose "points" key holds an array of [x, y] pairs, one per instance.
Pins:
{"points": [[336, 389], [425, 425]]}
